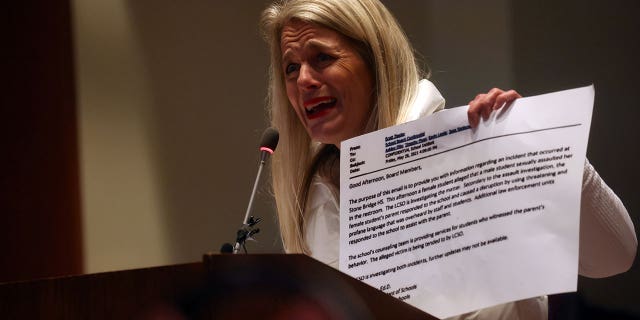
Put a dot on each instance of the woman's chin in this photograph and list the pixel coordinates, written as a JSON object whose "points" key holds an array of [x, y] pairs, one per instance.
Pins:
{"points": [[326, 138], [330, 132]]}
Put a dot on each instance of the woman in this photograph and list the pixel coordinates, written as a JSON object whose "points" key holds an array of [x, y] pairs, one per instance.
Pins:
{"points": [[342, 68]]}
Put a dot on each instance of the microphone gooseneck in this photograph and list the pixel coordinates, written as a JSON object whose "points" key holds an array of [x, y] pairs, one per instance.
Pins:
{"points": [[268, 144]]}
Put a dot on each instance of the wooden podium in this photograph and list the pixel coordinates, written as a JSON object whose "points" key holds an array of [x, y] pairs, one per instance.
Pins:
{"points": [[262, 286]]}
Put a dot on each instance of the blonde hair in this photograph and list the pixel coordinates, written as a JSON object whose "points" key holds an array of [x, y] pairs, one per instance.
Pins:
{"points": [[383, 45]]}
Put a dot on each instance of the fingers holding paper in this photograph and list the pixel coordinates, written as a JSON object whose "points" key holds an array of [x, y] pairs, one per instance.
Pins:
{"points": [[483, 104]]}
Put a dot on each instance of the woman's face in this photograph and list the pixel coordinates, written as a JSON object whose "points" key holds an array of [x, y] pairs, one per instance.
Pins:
{"points": [[328, 83]]}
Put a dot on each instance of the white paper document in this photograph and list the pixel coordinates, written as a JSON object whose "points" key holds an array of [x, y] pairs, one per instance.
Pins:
{"points": [[452, 219]]}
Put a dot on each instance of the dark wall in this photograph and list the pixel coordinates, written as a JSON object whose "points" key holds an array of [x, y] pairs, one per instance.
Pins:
{"points": [[39, 187], [566, 44]]}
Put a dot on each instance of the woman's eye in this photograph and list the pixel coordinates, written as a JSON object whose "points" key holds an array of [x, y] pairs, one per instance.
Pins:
{"points": [[323, 57], [292, 67]]}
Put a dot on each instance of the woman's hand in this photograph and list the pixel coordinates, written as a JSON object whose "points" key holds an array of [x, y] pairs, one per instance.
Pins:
{"points": [[485, 103]]}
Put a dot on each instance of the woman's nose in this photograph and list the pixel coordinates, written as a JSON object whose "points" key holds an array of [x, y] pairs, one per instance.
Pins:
{"points": [[308, 78]]}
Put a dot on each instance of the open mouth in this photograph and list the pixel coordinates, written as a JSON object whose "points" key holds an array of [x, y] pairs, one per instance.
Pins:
{"points": [[315, 107]]}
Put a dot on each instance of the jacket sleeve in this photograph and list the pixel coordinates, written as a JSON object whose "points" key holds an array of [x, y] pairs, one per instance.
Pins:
{"points": [[608, 241]]}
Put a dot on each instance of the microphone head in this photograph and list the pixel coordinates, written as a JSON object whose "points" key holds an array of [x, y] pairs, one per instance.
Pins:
{"points": [[269, 140]]}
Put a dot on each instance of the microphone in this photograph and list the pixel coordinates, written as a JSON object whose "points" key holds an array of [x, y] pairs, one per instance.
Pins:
{"points": [[268, 145]]}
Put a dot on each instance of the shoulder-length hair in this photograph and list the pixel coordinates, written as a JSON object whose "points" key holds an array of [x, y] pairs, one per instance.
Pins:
{"points": [[382, 45]]}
